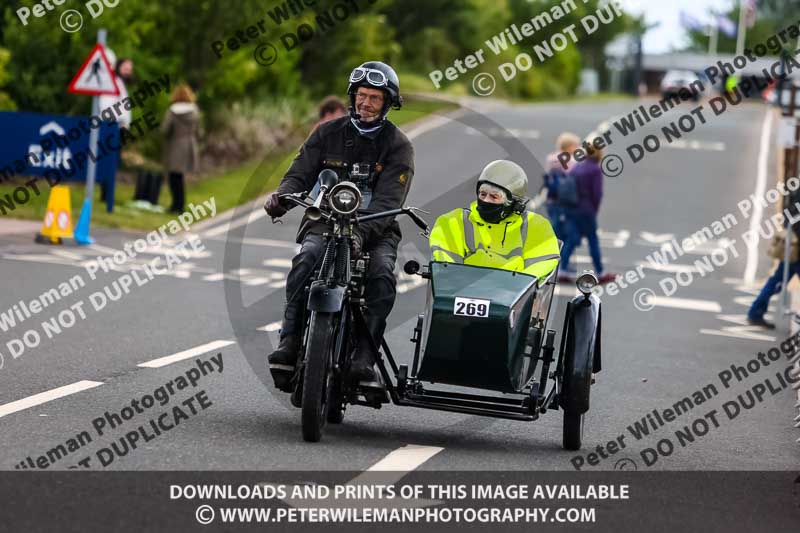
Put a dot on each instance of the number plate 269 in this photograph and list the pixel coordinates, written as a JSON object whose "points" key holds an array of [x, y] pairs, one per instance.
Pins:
{"points": [[471, 307]]}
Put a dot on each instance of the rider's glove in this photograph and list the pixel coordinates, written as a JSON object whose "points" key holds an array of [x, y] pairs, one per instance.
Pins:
{"points": [[356, 245], [273, 206]]}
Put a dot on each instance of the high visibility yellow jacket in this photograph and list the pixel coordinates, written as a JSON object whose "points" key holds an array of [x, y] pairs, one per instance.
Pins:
{"points": [[522, 244]]}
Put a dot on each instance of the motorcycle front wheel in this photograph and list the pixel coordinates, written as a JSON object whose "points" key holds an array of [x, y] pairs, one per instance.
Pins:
{"points": [[318, 378]]}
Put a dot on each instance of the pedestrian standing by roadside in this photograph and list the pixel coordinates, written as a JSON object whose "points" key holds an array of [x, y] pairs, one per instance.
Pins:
{"points": [[755, 316], [123, 68], [330, 108], [555, 176], [581, 221], [181, 128]]}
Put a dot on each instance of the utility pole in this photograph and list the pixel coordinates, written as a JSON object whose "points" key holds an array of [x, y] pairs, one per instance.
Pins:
{"points": [[713, 41], [740, 35]]}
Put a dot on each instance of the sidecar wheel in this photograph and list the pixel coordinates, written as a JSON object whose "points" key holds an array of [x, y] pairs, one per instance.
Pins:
{"points": [[573, 431], [317, 379]]}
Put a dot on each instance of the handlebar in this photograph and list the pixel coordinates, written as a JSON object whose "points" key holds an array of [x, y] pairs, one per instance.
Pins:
{"points": [[299, 199]]}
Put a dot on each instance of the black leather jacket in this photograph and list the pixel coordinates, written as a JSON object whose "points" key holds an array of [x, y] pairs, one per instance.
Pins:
{"points": [[337, 145]]}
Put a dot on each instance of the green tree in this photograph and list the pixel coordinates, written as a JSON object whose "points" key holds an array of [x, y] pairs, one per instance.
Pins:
{"points": [[6, 103]]}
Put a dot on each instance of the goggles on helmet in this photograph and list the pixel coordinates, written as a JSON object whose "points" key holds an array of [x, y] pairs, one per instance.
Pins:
{"points": [[374, 77]]}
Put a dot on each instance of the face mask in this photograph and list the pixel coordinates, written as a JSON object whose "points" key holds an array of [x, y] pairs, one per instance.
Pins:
{"points": [[492, 213]]}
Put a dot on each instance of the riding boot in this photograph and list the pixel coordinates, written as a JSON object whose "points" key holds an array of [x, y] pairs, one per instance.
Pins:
{"points": [[282, 361], [363, 363]]}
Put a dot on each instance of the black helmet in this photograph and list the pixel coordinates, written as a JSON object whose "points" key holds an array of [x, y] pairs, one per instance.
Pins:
{"points": [[376, 75]]}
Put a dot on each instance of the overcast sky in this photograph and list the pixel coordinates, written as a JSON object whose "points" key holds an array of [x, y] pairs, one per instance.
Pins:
{"points": [[670, 34]]}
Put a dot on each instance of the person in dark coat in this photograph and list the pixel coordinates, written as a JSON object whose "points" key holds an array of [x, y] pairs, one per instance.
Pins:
{"points": [[181, 128]]}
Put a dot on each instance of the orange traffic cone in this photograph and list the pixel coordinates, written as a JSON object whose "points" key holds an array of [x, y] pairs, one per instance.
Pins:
{"points": [[58, 218]]}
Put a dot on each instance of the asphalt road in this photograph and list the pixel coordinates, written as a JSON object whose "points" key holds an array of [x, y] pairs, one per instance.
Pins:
{"points": [[232, 296]]}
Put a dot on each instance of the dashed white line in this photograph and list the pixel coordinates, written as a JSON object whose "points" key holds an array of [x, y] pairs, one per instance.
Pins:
{"points": [[686, 303], [46, 396], [282, 263], [273, 326], [254, 215], [405, 459], [186, 354], [255, 241]]}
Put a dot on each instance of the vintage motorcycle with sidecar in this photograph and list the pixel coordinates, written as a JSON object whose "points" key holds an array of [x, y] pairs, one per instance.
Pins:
{"points": [[483, 329]]}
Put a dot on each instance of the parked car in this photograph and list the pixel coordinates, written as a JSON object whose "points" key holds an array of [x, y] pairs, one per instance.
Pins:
{"points": [[676, 82]]}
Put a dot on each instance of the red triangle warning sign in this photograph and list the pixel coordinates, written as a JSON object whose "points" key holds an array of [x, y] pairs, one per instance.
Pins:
{"points": [[96, 75]]}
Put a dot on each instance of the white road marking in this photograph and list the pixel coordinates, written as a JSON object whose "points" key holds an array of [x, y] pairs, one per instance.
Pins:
{"points": [[252, 282], [283, 263], [656, 238], [388, 471], [409, 285], [613, 239], [405, 459], [505, 133], [747, 301], [273, 326], [186, 354], [225, 227], [739, 332], [758, 210], [42, 258], [254, 241], [671, 269], [47, 396], [682, 144], [429, 125], [685, 303]]}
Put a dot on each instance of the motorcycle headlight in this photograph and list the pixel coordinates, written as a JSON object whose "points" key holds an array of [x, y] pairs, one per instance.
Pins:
{"points": [[345, 198], [586, 282]]}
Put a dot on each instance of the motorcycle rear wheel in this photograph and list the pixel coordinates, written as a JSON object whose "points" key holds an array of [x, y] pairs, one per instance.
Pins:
{"points": [[318, 378]]}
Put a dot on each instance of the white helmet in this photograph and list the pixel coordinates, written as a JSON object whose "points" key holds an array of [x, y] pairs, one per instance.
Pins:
{"points": [[506, 175]]}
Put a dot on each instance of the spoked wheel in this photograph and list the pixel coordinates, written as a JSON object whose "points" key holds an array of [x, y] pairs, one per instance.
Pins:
{"points": [[318, 376], [573, 430]]}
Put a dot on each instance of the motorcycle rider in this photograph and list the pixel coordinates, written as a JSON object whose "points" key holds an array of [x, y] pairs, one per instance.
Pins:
{"points": [[495, 230], [367, 149]]}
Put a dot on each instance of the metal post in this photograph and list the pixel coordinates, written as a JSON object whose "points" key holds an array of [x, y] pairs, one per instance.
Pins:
{"points": [[81, 233], [713, 41], [91, 169], [789, 170], [740, 36], [638, 74]]}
